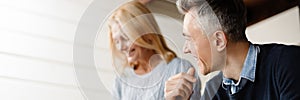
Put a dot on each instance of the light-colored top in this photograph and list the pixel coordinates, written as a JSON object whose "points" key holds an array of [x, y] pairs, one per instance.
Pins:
{"points": [[150, 86]]}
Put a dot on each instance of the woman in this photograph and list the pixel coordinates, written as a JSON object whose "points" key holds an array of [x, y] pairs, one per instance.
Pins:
{"points": [[141, 57]]}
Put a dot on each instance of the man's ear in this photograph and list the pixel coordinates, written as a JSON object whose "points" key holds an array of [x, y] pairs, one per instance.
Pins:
{"points": [[220, 40]]}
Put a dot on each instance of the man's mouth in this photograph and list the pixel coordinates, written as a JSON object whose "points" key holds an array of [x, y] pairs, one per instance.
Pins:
{"points": [[196, 58]]}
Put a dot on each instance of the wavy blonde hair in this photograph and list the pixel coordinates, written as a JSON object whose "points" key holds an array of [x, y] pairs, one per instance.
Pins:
{"points": [[138, 19]]}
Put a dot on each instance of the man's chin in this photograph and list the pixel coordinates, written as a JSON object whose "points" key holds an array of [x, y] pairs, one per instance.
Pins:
{"points": [[202, 68], [202, 71]]}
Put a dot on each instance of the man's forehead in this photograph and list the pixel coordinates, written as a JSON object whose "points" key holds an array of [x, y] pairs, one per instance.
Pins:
{"points": [[192, 14], [189, 19]]}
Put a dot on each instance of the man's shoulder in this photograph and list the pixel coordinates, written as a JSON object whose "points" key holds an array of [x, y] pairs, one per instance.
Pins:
{"points": [[277, 47], [278, 56], [281, 63], [278, 50]]}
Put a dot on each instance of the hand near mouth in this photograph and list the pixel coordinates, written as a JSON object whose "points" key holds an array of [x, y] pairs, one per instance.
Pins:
{"points": [[180, 85]]}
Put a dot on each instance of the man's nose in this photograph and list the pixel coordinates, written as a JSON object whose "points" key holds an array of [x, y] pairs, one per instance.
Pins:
{"points": [[186, 48]]}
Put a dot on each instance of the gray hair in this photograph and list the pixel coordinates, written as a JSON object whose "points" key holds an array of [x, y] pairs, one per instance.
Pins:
{"points": [[228, 16]]}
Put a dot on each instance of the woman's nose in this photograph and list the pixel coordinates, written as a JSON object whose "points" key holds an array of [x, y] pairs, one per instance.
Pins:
{"points": [[124, 46]]}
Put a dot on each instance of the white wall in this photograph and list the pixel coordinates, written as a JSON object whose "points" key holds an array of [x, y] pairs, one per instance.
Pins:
{"points": [[36, 42], [282, 28]]}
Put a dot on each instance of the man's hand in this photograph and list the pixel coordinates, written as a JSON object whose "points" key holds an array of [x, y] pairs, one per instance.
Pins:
{"points": [[180, 85]]}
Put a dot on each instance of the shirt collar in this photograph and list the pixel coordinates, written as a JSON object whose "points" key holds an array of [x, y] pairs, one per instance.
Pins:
{"points": [[249, 67]]}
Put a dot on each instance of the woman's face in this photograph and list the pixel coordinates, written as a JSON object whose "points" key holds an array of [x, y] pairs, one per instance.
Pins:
{"points": [[134, 53]]}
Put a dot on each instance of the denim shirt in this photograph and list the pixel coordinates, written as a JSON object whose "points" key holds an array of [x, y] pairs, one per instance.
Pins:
{"points": [[248, 71]]}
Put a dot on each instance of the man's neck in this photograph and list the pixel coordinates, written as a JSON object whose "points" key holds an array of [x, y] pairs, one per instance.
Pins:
{"points": [[236, 55]]}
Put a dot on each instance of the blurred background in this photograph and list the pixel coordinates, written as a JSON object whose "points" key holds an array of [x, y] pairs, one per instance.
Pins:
{"points": [[37, 37]]}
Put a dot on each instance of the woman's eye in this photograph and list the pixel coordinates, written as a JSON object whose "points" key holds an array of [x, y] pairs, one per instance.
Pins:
{"points": [[116, 41], [125, 37], [118, 44]]}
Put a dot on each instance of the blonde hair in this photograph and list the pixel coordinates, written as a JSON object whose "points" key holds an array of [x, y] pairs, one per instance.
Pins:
{"points": [[137, 21]]}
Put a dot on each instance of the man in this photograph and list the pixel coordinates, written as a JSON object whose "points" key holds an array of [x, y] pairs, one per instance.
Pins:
{"points": [[215, 35]]}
